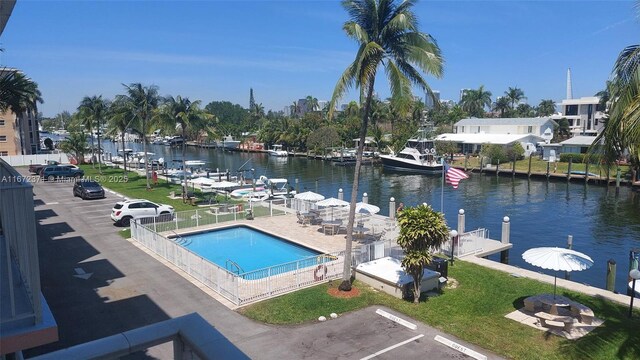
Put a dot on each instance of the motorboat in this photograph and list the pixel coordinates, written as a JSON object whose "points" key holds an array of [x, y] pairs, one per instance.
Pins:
{"points": [[228, 143], [246, 192], [277, 151], [419, 155], [173, 141], [277, 187]]}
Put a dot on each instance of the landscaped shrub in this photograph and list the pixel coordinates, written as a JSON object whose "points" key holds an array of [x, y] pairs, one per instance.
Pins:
{"points": [[576, 158]]}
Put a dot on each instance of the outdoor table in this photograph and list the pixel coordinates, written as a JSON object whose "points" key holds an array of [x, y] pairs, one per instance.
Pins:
{"points": [[330, 225], [554, 303], [360, 230]]}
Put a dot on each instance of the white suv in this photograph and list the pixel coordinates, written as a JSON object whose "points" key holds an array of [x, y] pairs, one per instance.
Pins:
{"points": [[124, 211]]}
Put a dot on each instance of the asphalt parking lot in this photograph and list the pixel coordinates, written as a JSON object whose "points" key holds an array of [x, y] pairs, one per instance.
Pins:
{"points": [[98, 284]]}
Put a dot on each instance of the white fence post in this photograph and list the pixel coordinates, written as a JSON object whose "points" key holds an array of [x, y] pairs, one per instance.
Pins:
{"points": [[154, 224], [197, 221], [176, 218]]}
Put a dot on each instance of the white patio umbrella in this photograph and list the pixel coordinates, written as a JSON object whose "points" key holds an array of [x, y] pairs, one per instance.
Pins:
{"points": [[309, 196], [332, 203], [557, 259], [366, 208]]}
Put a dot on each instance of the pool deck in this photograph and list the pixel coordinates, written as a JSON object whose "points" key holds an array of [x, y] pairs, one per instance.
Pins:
{"points": [[311, 236]]}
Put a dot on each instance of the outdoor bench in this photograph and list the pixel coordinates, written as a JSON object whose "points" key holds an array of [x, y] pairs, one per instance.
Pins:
{"points": [[567, 320], [583, 312]]}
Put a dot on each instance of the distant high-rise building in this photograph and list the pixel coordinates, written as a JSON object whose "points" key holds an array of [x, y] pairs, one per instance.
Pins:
{"points": [[429, 101], [18, 132]]}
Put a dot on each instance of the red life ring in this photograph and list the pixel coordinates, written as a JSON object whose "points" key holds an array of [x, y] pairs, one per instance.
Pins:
{"points": [[239, 207], [318, 274]]}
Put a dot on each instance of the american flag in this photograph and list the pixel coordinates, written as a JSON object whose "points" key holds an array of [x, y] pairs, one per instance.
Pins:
{"points": [[453, 175]]}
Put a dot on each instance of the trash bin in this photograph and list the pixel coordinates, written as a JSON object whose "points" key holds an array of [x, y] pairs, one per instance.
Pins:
{"points": [[440, 265]]}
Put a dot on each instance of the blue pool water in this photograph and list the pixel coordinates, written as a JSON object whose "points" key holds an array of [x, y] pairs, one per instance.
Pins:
{"points": [[249, 248]]}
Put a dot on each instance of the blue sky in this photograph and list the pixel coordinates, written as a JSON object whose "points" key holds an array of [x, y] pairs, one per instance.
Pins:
{"points": [[285, 50]]}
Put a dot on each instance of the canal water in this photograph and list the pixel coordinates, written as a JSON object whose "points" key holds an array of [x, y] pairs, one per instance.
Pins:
{"points": [[604, 225]]}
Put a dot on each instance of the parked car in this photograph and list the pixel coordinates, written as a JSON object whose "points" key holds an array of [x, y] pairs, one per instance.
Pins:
{"points": [[88, 189], [60, 171], [124, 211], [36, 168]]}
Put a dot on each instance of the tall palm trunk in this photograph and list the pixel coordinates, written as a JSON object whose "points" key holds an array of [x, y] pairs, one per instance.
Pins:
{"points": [[184, 166], [99, 150], [124, 154], [346, 274], [144, 149], [93, 164]]}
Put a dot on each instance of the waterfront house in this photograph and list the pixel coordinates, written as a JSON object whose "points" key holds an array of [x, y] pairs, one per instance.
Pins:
{"points": [[540, 126], [472, 143], [585, 115], [575, 145]]}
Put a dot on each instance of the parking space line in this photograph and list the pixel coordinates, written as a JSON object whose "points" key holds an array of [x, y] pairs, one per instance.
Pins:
{"points": [[463, 349], [397, 319], [392, 347]]}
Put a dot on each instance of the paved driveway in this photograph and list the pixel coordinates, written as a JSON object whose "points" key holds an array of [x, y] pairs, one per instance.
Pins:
{"points": [[97, 284]]}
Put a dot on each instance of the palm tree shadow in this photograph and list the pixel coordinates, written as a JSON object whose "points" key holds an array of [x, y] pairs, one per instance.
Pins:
{"points": [[618, 328]]}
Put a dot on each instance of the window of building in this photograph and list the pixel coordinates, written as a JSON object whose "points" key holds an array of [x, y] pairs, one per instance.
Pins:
{"points": [[3, 138], [595, 122], [529, 129], [478, 129], [1, 122], [571, 110], [462, 129], [4, 153], [601, 107]]}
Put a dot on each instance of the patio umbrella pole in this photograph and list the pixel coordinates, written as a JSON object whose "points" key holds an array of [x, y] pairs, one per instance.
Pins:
{"points": [[555, 279]]}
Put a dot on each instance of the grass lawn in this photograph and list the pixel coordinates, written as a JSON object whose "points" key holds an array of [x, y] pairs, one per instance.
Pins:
{"points": [[135, 186], [474, 311], [540, 166]]}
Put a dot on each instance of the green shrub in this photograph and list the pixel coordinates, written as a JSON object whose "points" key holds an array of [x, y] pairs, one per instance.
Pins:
{"points": [[576, 158]]}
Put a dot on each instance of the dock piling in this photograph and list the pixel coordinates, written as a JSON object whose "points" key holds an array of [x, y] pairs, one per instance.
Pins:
{"points": [[569, 169], [461, 221], [548, 168], [340, 194], [506, 227], [365, 198], [611, 275], [570, 247], [529, 171], [617, 179], [392, 208]]}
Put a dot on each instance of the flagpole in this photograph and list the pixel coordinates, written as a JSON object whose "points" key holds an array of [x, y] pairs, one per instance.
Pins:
{"points": [[442, 188]]}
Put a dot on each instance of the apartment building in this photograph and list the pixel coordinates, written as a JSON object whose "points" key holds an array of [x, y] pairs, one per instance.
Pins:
{"points": [[585, 115]]}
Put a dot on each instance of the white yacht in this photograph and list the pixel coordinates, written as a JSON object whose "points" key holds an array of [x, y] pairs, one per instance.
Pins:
{"points": [[228, 143], [277, 151], [419, 155]]}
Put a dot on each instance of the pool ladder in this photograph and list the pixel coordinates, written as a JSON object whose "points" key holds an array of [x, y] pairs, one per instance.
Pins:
{"points": [[180, 240], [233, 264]]}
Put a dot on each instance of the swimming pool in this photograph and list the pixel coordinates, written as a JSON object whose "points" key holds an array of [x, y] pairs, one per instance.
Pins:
{"points": [[249, 248]]}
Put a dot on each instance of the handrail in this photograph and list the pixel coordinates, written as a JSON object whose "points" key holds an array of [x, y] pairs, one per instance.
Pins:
{"points": [[181, 240], [226, 265]]}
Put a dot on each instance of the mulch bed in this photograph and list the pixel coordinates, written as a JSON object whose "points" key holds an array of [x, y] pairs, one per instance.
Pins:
{"points": [[335, 292]]}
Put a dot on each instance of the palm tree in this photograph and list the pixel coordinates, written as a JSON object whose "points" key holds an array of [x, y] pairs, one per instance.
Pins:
{"points": [[142, 101], [604, 95], [502, 105], [122, 116], [353, 109], [514, 95], [455, 114], [93, 109], [387, 34], [524, 110], [17, 92], [312, 104], [182, 112], [475, 101], [77, 144], [295, 109], [546, 107]]}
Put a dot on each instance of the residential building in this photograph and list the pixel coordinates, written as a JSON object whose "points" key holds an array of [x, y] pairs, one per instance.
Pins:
{"points": [[576, 145], [18, 132], [585, 115], [471, 143], [540, 126], [25, 318]]}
